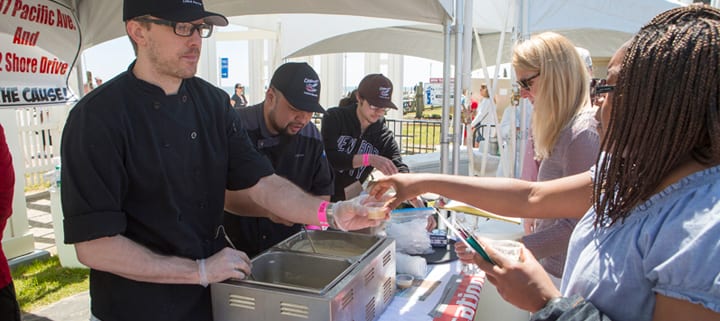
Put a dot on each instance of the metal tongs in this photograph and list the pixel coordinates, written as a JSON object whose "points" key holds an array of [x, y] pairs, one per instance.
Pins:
{"points": [[217, 233], [307, 236]]}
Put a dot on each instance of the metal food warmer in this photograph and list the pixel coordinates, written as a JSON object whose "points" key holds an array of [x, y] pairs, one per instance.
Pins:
{"points": [[313, 275]]}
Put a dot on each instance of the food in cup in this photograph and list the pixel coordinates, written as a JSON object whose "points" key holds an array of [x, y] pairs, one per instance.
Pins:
{"points": [[375, 211]]}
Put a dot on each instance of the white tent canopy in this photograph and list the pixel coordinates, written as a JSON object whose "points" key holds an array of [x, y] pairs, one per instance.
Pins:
{"points": [[101, 20], [425, 41], [599, 26], [618, 15]]}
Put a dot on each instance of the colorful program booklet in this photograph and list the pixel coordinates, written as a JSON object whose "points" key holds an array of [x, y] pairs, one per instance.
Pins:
{"points": [[469, 209]]}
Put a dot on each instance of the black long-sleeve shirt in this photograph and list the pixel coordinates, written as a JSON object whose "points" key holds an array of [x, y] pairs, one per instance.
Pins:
{"points": [[343, 139]]}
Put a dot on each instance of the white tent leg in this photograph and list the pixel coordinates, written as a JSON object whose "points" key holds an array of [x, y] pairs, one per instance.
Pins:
{"points": [[445, 120]]}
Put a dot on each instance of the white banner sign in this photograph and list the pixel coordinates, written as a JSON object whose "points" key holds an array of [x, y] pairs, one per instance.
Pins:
{"points": [[39, 42], [434, 91]]}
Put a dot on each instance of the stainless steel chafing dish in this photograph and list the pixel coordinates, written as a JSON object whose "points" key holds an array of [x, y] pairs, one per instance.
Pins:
{"points": [[313, 275]]}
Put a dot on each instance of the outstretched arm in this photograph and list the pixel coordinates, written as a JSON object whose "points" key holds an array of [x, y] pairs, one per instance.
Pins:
{"points": [[284, 199], [567, 197]]}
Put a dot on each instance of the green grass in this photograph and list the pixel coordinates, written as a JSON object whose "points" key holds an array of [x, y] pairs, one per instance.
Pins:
{"points": [[43, 282], [33, 187], [421, 136], [428, 113]]}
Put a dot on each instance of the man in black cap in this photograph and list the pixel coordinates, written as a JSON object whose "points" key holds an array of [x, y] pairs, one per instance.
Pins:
{"points": [[148, 160], [280, 128]]}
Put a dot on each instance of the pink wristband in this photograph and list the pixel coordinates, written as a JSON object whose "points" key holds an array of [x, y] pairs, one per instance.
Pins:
{"points": [[322, 214], [366, 159]]}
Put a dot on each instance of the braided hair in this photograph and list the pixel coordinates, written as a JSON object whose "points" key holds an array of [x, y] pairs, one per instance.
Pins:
{"points": [[665, 109]]}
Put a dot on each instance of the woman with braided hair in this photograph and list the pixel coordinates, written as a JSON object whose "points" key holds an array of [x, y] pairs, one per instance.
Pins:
{"points": [[647, 248]]}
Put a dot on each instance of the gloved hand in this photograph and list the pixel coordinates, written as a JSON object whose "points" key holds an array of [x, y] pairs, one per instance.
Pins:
{"points": [[352, 214]]}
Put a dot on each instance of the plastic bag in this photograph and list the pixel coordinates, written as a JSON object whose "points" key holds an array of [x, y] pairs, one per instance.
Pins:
{"points": [[408, 227]]}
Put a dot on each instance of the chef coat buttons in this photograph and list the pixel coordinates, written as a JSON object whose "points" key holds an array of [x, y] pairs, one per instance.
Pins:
{"points": [[184, 98], [156, 105], [193, 135]]}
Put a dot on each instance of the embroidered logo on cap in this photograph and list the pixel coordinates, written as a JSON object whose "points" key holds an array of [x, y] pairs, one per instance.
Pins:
{"points": [[384, 92], [311, 87], [197, 3]]}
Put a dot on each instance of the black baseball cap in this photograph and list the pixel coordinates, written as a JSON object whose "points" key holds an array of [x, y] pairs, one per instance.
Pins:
{"points": [[173, 10], [377, 90], [300, 85]]}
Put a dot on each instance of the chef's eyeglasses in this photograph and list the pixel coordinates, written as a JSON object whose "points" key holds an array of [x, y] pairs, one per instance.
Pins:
{"points": [[182, 29], [525, 83]]}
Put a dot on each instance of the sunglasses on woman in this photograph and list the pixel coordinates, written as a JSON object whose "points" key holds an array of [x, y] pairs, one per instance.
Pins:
{"points": [[525, 83]]}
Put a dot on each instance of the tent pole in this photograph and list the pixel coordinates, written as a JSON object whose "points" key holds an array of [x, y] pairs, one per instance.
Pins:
{"points": [[445, 124], [457, 102], [524, 117], [79, 73], [467, 83]]}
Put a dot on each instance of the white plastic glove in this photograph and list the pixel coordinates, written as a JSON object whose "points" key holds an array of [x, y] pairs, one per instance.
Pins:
{"points": [[352, 214]]}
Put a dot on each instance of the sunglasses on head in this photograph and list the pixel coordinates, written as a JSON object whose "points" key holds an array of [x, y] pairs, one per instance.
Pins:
{"points": [[525, 83]]}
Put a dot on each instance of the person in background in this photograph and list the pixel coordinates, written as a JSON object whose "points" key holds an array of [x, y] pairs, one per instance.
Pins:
{"points": [[587, 59], [280, 129], [90, 84], [238, 99], [484, 118], [149, 160], [9, 307], [512, 116], [646, 247], [553, 77], [532, 163], [357, 140]]}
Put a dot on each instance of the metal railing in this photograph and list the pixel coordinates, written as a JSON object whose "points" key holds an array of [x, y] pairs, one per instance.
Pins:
{"points": [[413, 136]]}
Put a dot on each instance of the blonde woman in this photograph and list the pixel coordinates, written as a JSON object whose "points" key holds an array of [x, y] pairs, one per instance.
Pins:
{"points": [[552, 75]]}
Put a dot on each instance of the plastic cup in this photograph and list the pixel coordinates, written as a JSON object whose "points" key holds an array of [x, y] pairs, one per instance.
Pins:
{"points": [[375, 210], [404, 281], [508, 248]]}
